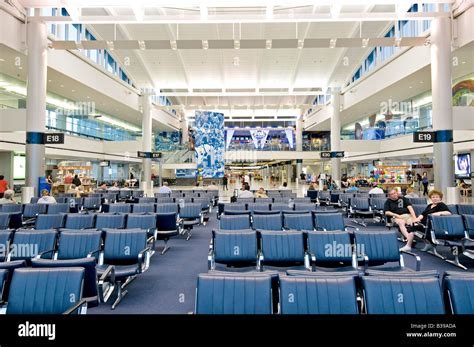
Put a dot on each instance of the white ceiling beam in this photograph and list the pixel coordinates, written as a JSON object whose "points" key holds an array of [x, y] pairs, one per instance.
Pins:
{"points": [[210, 3], [231, 18], [74, 13], [238, 94], [138, 12]]}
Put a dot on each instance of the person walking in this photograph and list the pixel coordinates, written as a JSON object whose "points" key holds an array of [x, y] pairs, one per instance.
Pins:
{"points": [[424, 181], [225, 182]]}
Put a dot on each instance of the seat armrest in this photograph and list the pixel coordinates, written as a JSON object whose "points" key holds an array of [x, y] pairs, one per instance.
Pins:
{"points": [[39, 255], [106, 288], [417, 258], [144, 260], [81, 306], [89, 255]]}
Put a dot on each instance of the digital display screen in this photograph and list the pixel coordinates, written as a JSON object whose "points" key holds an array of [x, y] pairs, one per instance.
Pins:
{"points": [[462, 165], [19, 167]]}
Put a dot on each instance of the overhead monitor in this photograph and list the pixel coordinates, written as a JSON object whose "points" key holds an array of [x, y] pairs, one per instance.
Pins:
{"points": [[462, 165]]}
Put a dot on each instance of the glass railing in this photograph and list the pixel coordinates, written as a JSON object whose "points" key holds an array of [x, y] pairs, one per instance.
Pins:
{"points": [[310, 147]]}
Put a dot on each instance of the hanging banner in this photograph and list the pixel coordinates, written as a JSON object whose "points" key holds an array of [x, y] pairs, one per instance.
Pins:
{"points": [[259, 137], [229, 134], [209, 144], [289, 136]]}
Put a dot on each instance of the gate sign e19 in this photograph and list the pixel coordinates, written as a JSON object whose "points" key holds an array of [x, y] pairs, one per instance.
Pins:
{"points": [[53, 138], [424, 136]]}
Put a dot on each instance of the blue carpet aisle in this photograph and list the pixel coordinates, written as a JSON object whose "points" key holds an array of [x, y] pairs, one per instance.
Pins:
{"points": [[160, 290]]}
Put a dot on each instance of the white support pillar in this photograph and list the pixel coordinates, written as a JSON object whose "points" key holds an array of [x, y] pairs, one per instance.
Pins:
{"points": [[336, 134], [184, 130], [442, 111], [37, 43], [299, 146], [147, 145]]}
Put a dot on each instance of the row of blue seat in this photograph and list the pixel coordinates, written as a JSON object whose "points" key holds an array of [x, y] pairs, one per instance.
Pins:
{"points": [[301, 293]]}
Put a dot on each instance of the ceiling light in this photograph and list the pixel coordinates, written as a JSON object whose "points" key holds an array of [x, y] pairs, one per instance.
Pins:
{"points": [[269, 12], [410, 87], [204, 12], [3, 84], [332, 43], [141, 45], [398, 41], [236, 61], [365, 42], [174, 45], [1, 59], [20, 68], [335, 10], [138, 12], [205, 44], [300, 44], [236, 44], [62, 85], [268, 44], [73, 90], [463, 62], [110, 45]]}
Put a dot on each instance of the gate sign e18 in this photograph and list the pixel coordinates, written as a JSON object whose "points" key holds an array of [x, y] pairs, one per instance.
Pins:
{"points": [[53, 138]]}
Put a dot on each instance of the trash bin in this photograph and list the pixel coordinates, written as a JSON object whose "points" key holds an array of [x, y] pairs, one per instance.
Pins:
{"points": [[452, 195], [26, 194]]}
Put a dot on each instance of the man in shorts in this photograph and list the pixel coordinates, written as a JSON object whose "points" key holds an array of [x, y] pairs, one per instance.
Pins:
{"points": [[400, 210]]}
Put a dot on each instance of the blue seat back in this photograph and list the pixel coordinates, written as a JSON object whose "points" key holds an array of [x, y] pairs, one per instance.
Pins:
{"points": [[330, 246], [10, 208], [392, 295], [378, 246], [453, 225], [32, 210], [360, 204], [5, 236], [141, 221], [166, 207], [137, 193], [166, 221], [267, 222], [466, 209], [237, 222], [258, 207], [298, 221], [190, 210], [235, 246], [453, 208], [234, 207], [284, 246], [49, 221], [29, 243], [324, 195], [45, 291], [378, 202], [109, 220], [218, 294], [91, 202], [312, 194], [278, 206], [461, 292], [120, 208], [58, 208], [418, 209], [4, 220], [329, 221], [418, 201], [305, 207], [123, 245], [78, 244], [34, 200], [469, 223], [79, 221], [146, 200], [308, 295], [167, 200], [143, 208]]}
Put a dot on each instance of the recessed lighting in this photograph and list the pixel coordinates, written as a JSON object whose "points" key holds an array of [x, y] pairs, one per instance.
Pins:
{"points": [[332, 43], [174, 45], [421, 82], [49, 80], [365, 42], [62, 85], [268, 44], [410, 87], [236, 44], [1, 59], [463, 62], [20, 68], [73, 90], [300, 44], [205, 44], [88, 97]]}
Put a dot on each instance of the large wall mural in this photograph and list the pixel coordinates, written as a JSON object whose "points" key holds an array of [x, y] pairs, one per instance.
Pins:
{"points": [[209, 144]]}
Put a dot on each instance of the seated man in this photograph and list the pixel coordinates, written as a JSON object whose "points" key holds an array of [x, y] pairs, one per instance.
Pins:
{"points": [[399, 208], [261, 193], [164, 189], [245, 193], [46, 198], [8, 197]]}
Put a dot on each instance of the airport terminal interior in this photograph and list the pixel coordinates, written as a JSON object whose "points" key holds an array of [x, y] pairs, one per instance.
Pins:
{"points": [[236, 157]]}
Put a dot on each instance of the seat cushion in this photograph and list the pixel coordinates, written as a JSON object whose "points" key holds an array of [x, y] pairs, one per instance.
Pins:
{"points": [[121, 271]]}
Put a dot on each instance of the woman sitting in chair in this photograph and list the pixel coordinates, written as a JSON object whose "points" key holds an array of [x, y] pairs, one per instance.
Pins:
{"points": [[436, 208]]}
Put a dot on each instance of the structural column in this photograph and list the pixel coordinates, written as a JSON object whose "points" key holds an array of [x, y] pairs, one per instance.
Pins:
{"points": [[336, 134], [299, 146], [442, 111], [146, 139], [184, 130], [289, 173], [37, 43]]}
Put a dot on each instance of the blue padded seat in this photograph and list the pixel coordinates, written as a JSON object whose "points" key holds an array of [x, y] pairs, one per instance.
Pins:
{"points": [[57, 208], [318, 295], [38, 241], [5, 236], [281, 248], [49, 221], [267, 222], [33, 210], [11, 208], [75, 244], [168, 207], [120, 208], [460, 290], [234, 247], [45, 291], [236, 222], [329, 221], [109, 220], [4, 220], [331, 249], [79, 221], [300, 222], [143, 208], [217, 294]]}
